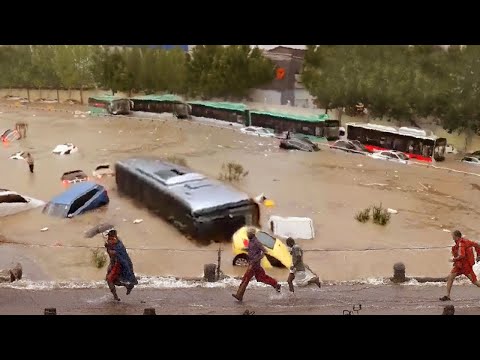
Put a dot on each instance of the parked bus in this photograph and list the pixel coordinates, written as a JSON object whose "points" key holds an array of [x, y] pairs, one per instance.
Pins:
{"points": [[201, 208], [415, 143]]}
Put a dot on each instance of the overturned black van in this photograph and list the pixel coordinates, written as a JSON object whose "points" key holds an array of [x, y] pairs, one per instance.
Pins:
{"points": [[203, 209]]}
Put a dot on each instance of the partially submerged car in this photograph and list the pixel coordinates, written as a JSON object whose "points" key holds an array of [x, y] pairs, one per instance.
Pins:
{"points": [[65, 149], [350, 146], [277, 253], [12, 203], [9, 136], [391, 155], [19, 155], [258, 131], [103, 170], [474, 160], [73, 177], [450, 149], [78, 199], [298, 144]]}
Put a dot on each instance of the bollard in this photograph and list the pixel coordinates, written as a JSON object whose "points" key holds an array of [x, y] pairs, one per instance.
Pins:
{"points": [[149, 311], [449, 310], [398, 273], [210, 272], [50, 311]]}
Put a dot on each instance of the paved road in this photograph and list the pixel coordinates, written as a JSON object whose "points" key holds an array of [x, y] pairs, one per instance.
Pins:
{"points": [[330, 300]]}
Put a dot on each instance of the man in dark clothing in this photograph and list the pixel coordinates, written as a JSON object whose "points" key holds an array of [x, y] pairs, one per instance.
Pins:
{"points": [[29, 159], [298, 267], [256, 251], [120, 270]]}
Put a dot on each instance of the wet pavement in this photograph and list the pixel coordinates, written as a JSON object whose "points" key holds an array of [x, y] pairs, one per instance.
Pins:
{"points": [[330, 300]]}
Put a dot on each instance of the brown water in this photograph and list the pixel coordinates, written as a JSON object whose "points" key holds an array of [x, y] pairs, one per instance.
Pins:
{"points": [[328, 186]]}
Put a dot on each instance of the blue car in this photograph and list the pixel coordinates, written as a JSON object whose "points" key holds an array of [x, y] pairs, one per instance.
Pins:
{"points": [[79, 198]]}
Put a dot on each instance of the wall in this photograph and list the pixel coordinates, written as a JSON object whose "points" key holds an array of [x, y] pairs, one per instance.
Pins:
{"points": [[64, 95], [303, 99], [266, 96]]}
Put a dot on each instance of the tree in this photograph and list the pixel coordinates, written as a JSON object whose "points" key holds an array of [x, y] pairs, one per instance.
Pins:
{"points": [[149, 71], [201, 70], [65, 67], [110, 69], [43, 73], [82, 57], [218, 71], [23, 68], [459, 110], [134, 65]]}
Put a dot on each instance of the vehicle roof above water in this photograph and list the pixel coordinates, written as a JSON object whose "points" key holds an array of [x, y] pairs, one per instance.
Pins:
{"points": [[198, 192], [75, 191]]}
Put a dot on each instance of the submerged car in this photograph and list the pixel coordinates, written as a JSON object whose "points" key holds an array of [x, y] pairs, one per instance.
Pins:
{"points": [[298, 144], [12, 203], [73, 177], [65, 149], [19, 155], [350, 146], [474, 160], [258, 131], [78, 199], [392, 155], [9, 135], [103, 170], [277, 253]]}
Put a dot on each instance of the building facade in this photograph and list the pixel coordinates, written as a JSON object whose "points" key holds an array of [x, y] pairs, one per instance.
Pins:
{"points": [[288, 89]]}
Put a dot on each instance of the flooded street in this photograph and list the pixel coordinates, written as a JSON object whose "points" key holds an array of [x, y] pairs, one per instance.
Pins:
{"points": [[327, 186]]}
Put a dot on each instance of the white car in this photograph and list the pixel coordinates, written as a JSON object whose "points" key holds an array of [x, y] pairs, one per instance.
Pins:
{"points": [[65, 149], [12, 203], [256, 130], [450, 149], [20, 155], [471, 160], [392, 155], [103, 170]]}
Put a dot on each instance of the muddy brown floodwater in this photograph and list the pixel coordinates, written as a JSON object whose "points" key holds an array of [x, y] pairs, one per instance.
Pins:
{"points": [[328, 186]]}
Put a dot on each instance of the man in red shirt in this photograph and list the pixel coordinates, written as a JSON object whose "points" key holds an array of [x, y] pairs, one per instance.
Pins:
{"points": [[463, 261]]}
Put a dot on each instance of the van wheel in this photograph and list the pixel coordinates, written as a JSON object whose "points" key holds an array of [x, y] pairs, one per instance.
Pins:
{"points": [[240, 260]]}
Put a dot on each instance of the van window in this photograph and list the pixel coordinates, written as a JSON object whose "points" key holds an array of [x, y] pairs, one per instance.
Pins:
{"points": [[81, 200]]}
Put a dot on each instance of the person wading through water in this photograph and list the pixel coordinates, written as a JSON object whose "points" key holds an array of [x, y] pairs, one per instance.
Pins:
{"points": [[29, 159], [306, 276], [120, 270], [256, 251], [463, 261]]}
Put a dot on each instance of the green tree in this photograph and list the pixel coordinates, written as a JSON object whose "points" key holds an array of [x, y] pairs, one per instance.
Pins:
{"points": [[149, 71], [459, 109], [134, 67], [110, 69], [230, 71], [65, 67]]}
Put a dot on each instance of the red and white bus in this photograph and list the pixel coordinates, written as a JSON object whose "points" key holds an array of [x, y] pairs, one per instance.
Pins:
{"points": [[415, 143]]}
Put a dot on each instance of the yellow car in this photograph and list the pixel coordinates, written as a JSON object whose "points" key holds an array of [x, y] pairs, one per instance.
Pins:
{"points": [[276, 254]]}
